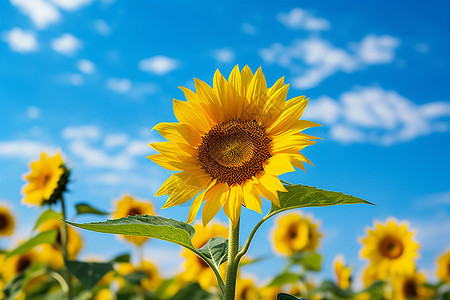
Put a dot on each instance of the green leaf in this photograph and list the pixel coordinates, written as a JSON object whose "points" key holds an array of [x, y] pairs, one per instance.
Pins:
{"points": [[284, 296], [311, 261], [149, 226], [216, 249], [85, 208], [89, 273], [14, 287], [192, 291], [307, 196], [329, 286], [46, 215], [46, 237], [283, 279], [135, 278], [122, 258]]}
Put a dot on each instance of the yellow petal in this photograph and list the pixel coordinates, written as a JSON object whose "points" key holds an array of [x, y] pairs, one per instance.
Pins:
{"points": [[274, 106], [233, 207], [186, 114], [277, 85], [163, 161], [205, 92], [235, 81], [178, 133], [268, 187], [252, 200], [246, 77], [174, 149], [197, 203], [215, 197], [279, 164], [293, 110], [257, 89]]}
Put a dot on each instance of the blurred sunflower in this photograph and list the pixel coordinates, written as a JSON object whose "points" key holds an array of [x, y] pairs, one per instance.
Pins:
{"points": [[390, 248], [7, 222], [246, 289], [342, 272], [45, 178], [295, 232], [18, 263], [270, 292], [231, 143], [123, 270], [128, 206], [2, 285], [443, 271], [196, 269], [152, 280], [51, 254], [411, 287], [104, 294]]}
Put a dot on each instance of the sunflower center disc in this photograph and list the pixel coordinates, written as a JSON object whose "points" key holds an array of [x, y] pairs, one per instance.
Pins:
{"points": [[234, 151], [391, 247], [3, 221], [410, 289]]}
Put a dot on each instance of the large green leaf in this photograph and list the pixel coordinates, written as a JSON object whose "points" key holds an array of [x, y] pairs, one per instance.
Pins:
{"points": [[307, 196], [284, 278], [122, 258], [192, 291], [135, 278], [311, 261], [284, 296], [149, 226], [216, 249], [329, 286], [89, 273], [47, 215], [85, 208], [46, 237]]}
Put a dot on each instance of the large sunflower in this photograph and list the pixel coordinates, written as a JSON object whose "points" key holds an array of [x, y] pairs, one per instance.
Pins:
{"points": [[295, 232], [390, 248], [128, 206], [43, 179], [443, 271], [6, 221], [231, 143]]}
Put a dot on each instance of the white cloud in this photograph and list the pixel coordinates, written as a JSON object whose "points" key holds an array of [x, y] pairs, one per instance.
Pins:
{"points": [[102, 27], [75, 79], [20, 40], [433, 233], [71, 4], [86, 66], [81, 132], [114, 140], [249, 29], [371, 114], [33, 112], [22, 148], [66, 44], [41, 13], [299, 18], [433, 201], [318, 59], [158, 65], [140, 90], [224, 55], [119, 85]]}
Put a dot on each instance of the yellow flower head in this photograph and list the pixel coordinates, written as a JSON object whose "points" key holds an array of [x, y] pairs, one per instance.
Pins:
{"points": [[44, 180], [246, 289], [443, 271], [231, 143], [152, 280], [342, 272], [196, 268], [7, 222], [128, 206], [104, 294], [16, 264], [51, 254], [295, 232], [411, 287], [390, 248]]}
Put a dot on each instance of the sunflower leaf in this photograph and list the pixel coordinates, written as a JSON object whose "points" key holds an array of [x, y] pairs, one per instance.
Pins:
{"points": [[122, 258], [192, 291], [284, 296], [307, 196], [216, 249], [46, 237], [84, 208], [311, 261], [144, 225], [329, 286], [284, 278], [89, 273], [47, 215]]}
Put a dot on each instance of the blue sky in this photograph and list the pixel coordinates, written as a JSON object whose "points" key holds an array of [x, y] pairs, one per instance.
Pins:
{"points": [[93, 77]]}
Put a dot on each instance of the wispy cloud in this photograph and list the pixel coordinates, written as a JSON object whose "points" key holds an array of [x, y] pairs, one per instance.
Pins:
{"points": [[248, 28], [102, 27], [41, 13], [71, 4], [86, 66], [224, 55], [158, 65], [66, 44], [125, 86], [20, 40], [119, 85], [298, 18], [374, 115], [23, 148], [434, 201], [318, 59], [33, 112]]}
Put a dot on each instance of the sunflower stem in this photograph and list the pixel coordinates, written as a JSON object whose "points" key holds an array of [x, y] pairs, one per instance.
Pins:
{"points": [[64, 241], [233, 261]]}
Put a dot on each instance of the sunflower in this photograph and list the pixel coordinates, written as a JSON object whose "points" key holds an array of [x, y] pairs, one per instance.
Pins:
{"points": [[390, 248], [246, 289], [6, 221], [196, 268], [18, 263], [270, 292], [342, 272], [443, 271], [152, 280], [231, 143], [411, 287], [128, 206], [46, 181], [51, 254], [295, 232], [104, 294]]}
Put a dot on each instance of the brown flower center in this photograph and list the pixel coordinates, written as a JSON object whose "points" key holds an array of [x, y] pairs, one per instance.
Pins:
{"points": [[23, 263], [410, 289], [134, 211], [4, 221], [234, 151], [293, 232], [45, 179], [391, 247]]}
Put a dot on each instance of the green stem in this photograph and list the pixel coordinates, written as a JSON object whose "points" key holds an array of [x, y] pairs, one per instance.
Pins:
{"points": [[233, 262], [64, 241], [213, 267]]}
